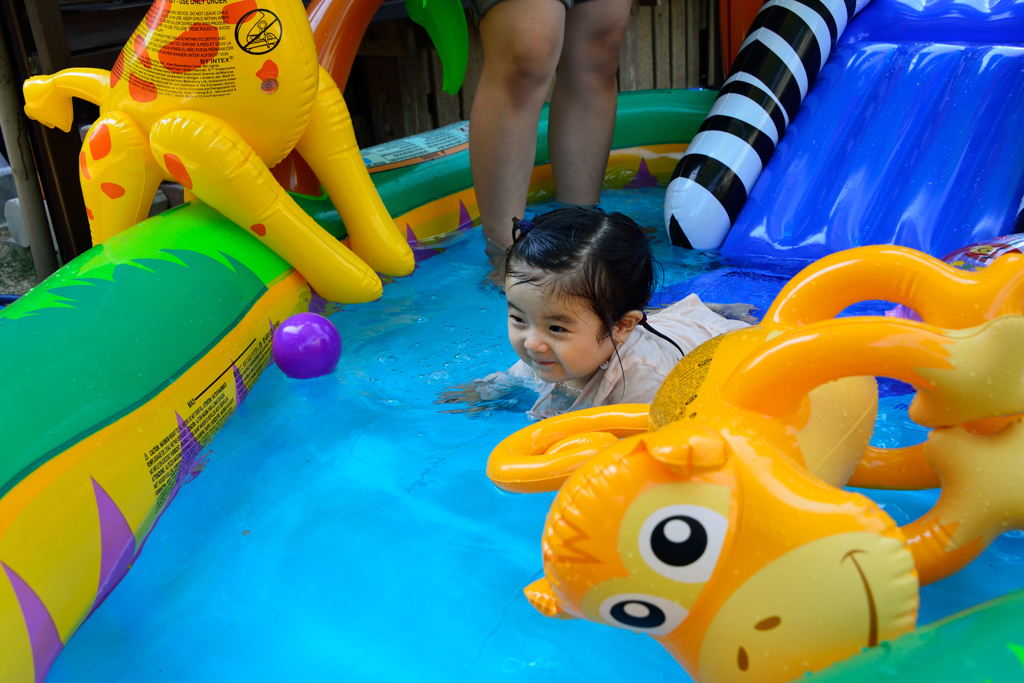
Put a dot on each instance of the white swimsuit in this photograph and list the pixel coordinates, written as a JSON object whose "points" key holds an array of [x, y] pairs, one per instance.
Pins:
{"points": [[645, 361]]}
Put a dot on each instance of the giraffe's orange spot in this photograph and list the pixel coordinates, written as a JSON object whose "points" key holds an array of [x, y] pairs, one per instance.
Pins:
{"points": [[112, 190], [268, 70], [139, 45], [117, 71], [191, 50], [158, 11], [236, 10], [259, 229], [140, 90], [82, 165], [177, 170], [88, 212], [99, 142]]}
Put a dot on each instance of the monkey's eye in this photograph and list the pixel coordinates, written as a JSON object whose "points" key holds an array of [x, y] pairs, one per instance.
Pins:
{"points": [[683, 542], [642, 613]]}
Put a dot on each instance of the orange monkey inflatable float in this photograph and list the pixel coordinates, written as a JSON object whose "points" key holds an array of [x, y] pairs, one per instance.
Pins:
{"points": [[709, 531]]}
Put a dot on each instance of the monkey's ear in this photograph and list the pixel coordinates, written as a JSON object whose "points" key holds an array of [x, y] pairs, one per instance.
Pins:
{"points": [[687, 450], [543, 598]]}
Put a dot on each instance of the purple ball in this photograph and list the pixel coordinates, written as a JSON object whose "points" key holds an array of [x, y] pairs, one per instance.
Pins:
{"points": [[306, 345]]}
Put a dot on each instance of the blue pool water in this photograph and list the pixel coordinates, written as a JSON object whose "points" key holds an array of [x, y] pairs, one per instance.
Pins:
{"points": [[343, 528]]}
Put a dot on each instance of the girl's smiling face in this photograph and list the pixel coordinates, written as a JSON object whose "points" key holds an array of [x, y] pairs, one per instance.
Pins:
{"points": [[559, 336]]}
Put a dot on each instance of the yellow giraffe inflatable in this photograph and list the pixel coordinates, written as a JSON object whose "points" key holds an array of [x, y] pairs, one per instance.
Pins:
{"points": [[212, 94]]}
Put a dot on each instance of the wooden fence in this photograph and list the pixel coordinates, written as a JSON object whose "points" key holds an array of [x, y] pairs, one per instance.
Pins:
{"points": [[395, 87]]}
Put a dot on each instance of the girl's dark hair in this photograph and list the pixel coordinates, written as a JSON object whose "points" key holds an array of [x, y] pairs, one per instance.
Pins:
{"points": [[602, 258]]}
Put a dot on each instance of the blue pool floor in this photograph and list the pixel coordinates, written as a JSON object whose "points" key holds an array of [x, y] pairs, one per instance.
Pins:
{"points": [[343, 528]]}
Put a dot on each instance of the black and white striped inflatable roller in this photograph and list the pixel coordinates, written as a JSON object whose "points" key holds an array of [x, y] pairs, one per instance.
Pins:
{"points": [[785, 49]]}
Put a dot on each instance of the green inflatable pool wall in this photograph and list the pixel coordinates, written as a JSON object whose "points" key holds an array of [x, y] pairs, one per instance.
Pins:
{"points": [[115, 326], [982, 645], [645, 117]]}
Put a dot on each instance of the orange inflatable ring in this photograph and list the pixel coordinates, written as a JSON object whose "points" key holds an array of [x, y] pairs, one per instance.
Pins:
{"points": [[542, 456]]}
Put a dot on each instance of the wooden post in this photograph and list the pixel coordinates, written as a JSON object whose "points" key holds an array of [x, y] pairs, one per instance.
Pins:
{"points": [[446, 106], [645, 80], [48, 32], [386, 99], [693, 25], [56, 152], [713, 57], [15, 134], [662, 46], [414, 76], [677, 32]]}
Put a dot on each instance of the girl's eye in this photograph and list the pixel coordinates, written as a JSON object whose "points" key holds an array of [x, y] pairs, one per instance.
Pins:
{"points": [[557, 328], [515, 318]]}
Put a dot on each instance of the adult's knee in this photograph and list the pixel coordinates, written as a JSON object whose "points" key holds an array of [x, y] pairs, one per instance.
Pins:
{"points": [[528, 66], [522, 44], [593, 41], [594, 65]]}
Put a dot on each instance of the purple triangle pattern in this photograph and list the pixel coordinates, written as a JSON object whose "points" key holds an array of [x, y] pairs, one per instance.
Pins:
{"points": [[117, 543], [42, 633], [424, 254], [643, 178], [190, 450], [240, 389], [270, 356], [317, 304], [138, 550], [465, 222]]}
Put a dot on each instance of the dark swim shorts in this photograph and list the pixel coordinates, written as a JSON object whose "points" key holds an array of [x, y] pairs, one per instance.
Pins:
{"points": [[481, 7]]}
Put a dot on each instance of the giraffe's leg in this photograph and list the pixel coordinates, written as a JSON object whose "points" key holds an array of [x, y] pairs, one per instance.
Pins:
{"points": [[207, 156], [329, 146], [118, 175]]}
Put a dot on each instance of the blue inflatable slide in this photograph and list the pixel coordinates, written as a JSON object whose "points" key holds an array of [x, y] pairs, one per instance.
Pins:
{"points": [[912, 133]]}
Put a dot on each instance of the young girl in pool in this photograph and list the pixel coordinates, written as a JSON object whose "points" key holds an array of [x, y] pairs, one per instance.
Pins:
{"points": [[577, 282]]}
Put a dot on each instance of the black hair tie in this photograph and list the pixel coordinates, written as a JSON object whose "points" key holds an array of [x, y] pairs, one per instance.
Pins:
{"points": [[647, 326], [523, 226]]}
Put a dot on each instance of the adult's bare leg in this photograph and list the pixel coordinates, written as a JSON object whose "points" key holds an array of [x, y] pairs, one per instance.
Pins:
{"points": [[583, 103], [522, 40]]}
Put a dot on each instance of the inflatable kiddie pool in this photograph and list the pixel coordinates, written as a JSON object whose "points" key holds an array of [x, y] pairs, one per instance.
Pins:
{"points": [[338, 528], [341, 528], [135, 354]]}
